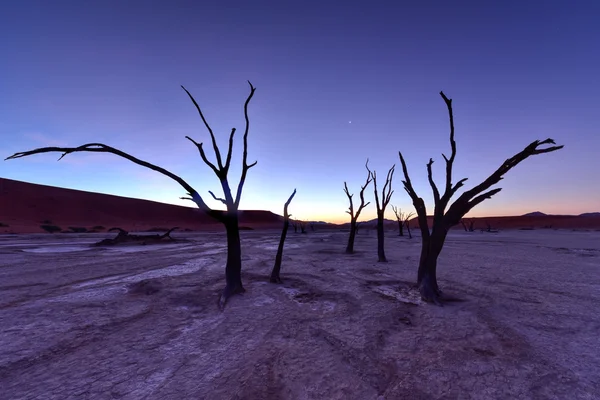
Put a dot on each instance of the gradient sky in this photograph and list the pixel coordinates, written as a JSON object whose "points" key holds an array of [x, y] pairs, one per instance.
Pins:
{"points": [[74, 72]]}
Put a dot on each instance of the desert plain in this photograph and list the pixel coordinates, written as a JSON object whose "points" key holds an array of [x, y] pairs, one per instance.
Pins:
{"points": [[142, 322]]}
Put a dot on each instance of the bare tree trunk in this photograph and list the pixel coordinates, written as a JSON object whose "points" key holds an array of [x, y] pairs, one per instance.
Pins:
{"points": [[427, 273], [408, 230], [380, 238], [386, 195], [400, 228], [286, 224], [353, 230], [233, 269], [277, 267]]}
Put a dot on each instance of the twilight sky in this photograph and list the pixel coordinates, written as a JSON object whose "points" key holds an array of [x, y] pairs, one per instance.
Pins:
{"points": [[337, 82]]}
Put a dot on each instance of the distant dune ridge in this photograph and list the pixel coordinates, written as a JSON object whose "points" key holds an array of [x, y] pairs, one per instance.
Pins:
{"points": [[24, 207]]}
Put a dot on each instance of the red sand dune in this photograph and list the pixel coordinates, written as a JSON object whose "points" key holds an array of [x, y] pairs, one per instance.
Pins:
{"points": [[24, 206], [530, 222]]}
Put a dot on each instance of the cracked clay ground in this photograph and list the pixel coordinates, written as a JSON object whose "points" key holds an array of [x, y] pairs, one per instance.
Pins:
{"points": [[73, 325]]}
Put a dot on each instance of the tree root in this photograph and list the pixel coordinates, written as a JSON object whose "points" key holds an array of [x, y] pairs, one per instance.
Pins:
{"points": [[275, 279], [228, 292], [431, 293]]}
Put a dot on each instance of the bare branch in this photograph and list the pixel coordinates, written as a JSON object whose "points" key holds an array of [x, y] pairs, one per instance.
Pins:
{"points": [[217, 198], [418, 202], [362, 194], [497, 176], [204, 158], [351, 208], [245, 166], [482, 197], [436, 192], [102, 148], [212, 135], [407, 182], [229, 151], [287, 203], [449, 161], [458, 185], [386, 197]]}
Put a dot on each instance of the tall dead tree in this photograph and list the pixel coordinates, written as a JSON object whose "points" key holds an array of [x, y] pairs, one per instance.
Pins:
{"points": [[400, 218], [229, 218], [386, 196], [443, 220], [355, 214], [286, 224]]}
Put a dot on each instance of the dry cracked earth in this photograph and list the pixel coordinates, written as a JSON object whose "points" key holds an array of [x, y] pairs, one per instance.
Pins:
{"points": [[141, 322]]}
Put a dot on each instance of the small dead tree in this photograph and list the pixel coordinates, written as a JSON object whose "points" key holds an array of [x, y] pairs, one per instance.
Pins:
{"points": [[229, 218], [302, 225], [358, 225], [407, 224], [400, 218], [295, 225], [355, 214], [443, 220], [286, 224], [386, 195], [470, 227]]}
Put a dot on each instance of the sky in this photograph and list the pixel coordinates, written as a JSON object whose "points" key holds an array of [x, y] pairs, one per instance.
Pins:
{"points": [[336, 83]]}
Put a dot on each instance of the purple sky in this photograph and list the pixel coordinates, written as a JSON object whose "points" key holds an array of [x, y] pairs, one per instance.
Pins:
{"points": [[109, 71]]}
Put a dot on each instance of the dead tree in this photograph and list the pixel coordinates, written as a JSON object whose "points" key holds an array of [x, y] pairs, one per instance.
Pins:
{"points": [[125, 237], [229, 218], [443, 220], [355, 214], [400, 218], [407, 224], [286, 224], [295, 225], [386, 195], [302, 225], [471, 225]]}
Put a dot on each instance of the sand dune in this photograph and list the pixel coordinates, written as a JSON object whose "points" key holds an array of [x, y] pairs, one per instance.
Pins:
{"points": [[24, 207]]}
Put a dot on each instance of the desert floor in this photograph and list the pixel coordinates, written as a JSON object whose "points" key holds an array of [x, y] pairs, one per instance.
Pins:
{"points": [[73, 325]]}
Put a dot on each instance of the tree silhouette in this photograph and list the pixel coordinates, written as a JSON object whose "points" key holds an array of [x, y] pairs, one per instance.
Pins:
{"points": [[229, 218], [286, 224], [355, 214], [443, 220], [386, 196]]}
